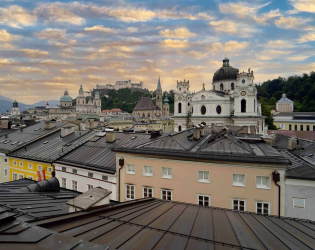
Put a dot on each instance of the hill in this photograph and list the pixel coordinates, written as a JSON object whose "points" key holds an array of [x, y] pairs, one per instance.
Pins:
{"points": [[52, 103]]}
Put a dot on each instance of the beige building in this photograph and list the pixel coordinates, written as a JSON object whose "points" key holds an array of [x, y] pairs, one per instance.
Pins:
{"points": [[297, 121], [284, 104], [224, 169], [145, 108]]}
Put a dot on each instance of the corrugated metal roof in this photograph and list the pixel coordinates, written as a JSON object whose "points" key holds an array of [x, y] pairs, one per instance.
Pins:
{"points": [[98, 154], [307, 135], [158, 224], [23, 136], [52, 147]]}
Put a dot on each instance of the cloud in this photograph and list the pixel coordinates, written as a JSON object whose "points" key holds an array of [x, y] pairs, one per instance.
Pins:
{"points": [[175, 44], [34, 52], [278, 44], [291, 22], [303, 5], [54, 62], [182, 32], [132, 29], [29, 70], [198, 55], [297, 58], [70, 71], [7, 37], [58, 13], [16, 16], [233, 28], [100, 28], [263, 18], [52, 34], [98, 78], [309, 37], [230, 46]]}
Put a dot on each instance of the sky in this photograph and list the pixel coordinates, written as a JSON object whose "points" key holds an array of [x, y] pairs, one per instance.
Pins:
{"points": [[49, 46]]}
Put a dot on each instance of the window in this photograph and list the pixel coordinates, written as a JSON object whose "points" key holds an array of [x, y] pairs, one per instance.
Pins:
{"points": [[219, 109], [290, 127], [295, 127], [239, 180], [301, 127], [262, 182], [89, 187], [14, 163], [147, 192], [74, 171], [39, 167], [90, 175], [6, 172], [131, 169], [313, 127], [49, 169], [74, 185], [307, 127], [232, 86], [30, 166], [243, 81], [243, 106], [204, 176], [14, 176], [239, 205], [63, 182], [130, 191], [166, 194], [221, 87], [167, 173], [30, 177], [6, 160], [262, 208], [204, 200], [148, 170], [299, 202], [179, 108], [179, 128], [21, 176], [104, 177], [64, 169], [203, 110]]}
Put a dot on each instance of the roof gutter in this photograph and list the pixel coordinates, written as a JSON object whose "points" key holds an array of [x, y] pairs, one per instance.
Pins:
{"points": [[208, 156]]}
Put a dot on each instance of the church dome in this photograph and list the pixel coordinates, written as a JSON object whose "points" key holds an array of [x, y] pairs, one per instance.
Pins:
{"points": [[66, 97], [15, 104], [226, 72], [81, 89]]}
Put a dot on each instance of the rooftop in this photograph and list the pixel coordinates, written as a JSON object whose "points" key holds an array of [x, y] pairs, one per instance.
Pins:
{"points": [[307, 135], [23, 136], [157, 224], [296, 113], [29, 205], [52, 147], [145, 103], [97, 154]]}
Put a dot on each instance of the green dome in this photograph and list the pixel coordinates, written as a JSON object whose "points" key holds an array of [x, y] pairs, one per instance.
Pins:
{"points": [[81, 90], [66, 97], [226, 72], [166, 99]]}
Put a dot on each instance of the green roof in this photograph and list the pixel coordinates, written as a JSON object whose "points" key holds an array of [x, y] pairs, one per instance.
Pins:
{"points": [[81, 90], [66, 98], [83, 118]]}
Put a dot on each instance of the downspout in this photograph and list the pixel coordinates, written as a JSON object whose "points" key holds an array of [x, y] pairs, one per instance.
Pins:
{"points": [[121, 164], [276, 179]]}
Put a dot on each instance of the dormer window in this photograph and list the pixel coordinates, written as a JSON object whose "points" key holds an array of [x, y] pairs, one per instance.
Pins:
{"points": [[243, 81]]}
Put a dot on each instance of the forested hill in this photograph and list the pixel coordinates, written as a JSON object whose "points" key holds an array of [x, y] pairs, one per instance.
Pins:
{"points": [[126, 100], [300, 89]]}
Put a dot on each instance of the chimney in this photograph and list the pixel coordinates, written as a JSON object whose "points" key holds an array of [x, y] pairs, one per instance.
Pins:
{"points": [[67, 130], [5, 123], [270, 139], [196, 133], [252, 129], [110, 136], [82, 126], [212, 127], [50, 124], [292, 143], [245, 130], [202, 130]]}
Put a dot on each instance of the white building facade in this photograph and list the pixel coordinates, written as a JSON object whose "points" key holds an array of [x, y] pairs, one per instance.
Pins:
{"points": [[231, 101], [15, 109], [82, 179], [284, 104], [90, 106], [121, 85]]}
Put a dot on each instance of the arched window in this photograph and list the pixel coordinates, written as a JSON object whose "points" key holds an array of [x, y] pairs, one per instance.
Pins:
{"points": [[148, 114], [203, 97], [179, 128], [232, 86], [254, 105], [180, 89], [179, 108], [243, 106], [188, 104], [138, 114], [203, 110], [219, 109], [143, 115], [221, 87], [243, 81], [158, 98]]}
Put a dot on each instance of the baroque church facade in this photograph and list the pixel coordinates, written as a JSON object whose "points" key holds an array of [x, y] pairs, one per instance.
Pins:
{"points": [[231, 101], [90, 106]]}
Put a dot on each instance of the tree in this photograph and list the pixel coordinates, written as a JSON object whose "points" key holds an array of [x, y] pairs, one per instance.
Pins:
{"points": [[266, 112]]}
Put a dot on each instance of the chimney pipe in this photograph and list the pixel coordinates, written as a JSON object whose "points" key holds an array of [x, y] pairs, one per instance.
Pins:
{"points": [[50, 124], [67, 130], [212, 127], [292, 143], [196, 134], [110, 136]]}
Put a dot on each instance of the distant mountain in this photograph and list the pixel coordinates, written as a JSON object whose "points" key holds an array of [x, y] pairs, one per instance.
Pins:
{"points": [[6, 98], [52, 103]]}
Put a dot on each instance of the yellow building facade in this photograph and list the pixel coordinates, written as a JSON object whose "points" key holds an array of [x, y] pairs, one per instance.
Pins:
{"points": [[24, 168]]}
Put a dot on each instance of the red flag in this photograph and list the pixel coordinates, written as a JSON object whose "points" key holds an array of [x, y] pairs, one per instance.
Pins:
{"points": [[41, 175]]}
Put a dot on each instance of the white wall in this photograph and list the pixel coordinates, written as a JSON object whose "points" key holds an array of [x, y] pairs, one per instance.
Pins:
{"points": [[83, 180]]}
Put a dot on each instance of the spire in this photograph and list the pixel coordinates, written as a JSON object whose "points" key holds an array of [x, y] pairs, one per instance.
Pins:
{"points": [[159, 84], [226, 62]]}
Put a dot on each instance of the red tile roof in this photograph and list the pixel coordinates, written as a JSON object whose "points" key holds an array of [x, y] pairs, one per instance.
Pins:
{"points": [[116, 110], [307, 135], [145, 103]]}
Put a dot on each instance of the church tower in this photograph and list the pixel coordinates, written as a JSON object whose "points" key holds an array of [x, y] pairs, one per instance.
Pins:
{"points": [[15, 108], [81, 100], [166, 107], [159, 95]]}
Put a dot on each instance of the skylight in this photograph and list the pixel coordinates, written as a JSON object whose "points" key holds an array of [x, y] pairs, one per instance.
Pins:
{"points": [[45, 142]]}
